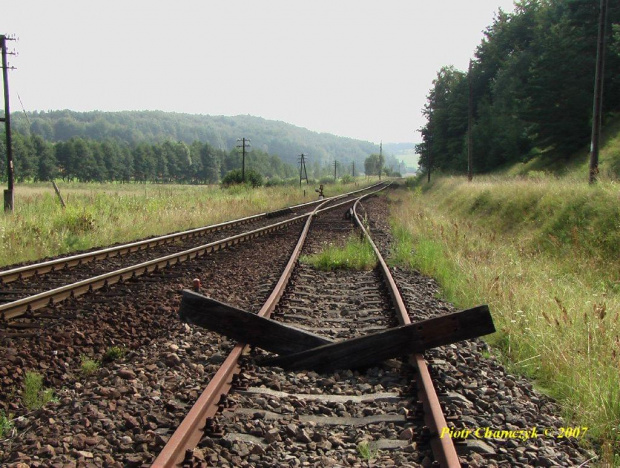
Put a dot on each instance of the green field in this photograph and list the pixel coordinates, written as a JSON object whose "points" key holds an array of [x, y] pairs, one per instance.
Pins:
{"points": [[103, 214]]}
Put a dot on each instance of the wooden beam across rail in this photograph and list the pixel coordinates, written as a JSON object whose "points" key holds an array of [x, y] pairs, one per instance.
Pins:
{"points": [[299, 349], [246, 327]]}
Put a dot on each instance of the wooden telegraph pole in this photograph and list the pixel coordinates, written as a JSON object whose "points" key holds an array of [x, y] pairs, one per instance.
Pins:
{"points": [[470, 118], [429, 159], [303, 174], [380, 159], [8, 194], [598, 92], [245, 142]]}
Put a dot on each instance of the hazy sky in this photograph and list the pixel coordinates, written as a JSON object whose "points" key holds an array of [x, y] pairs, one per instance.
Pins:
{"points": [[360, 69]]}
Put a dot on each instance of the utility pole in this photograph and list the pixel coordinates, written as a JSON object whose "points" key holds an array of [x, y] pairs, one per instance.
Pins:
{"points": [[335, 175], [380, 159], [303, 174], [8, 194], [470, 118], [430, 159], [353, 172], [598, 92], [245, 142]]}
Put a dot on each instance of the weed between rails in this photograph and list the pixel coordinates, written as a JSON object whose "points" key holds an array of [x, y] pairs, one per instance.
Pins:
{"points": [[557, 311], [367, 450], [356, 254]]}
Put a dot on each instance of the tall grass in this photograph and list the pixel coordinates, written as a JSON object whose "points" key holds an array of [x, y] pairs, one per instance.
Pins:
{"points": [[356, 254], [102, 214], [544, 255]]}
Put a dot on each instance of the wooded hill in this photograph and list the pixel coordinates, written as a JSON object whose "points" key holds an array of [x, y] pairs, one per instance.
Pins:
{"points": [[132, 127], [153, 146]]}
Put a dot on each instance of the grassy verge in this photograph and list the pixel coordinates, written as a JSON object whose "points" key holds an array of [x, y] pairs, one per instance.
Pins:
{"points": [[102, 214], [544, 256], [356, 254]]}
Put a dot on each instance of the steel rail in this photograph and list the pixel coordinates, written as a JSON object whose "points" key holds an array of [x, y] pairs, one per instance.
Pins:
{"points": [[27, 271], [16, 308], [190, 431], [13, 309], [443, 447]]}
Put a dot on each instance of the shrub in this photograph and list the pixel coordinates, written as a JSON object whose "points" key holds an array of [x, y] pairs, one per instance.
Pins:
{"points": [[35, 396], [89, 366], [113, 353], [6, 425], [235, 177]]}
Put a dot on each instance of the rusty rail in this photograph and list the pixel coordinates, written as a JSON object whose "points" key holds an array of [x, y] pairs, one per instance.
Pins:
{"points": [[190, 431], [26, 271], [16, 308], [443, 447], [13, 309]]}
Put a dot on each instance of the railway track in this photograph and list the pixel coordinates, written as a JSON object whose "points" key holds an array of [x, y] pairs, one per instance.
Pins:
{"points": [[31, 287], [259, 416], [126, 411]]}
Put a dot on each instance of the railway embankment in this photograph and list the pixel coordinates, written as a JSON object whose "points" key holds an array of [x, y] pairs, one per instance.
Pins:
{"points": [[543, 253]]}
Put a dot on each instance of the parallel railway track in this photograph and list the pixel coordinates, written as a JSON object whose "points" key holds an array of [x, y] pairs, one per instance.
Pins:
{"points": [[31, 287]]}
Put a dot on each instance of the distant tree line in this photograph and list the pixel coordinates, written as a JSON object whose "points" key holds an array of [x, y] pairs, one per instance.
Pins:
{"points": [[221, 132], [88, 160], [532, 81]]}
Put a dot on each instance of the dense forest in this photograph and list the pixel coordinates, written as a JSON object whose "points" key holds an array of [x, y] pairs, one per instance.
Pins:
{"points": [[89, 160], [169, 147], [532, 84]]}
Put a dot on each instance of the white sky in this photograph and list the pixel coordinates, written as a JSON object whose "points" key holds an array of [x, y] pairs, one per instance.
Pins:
{"points": [[360, 69]]}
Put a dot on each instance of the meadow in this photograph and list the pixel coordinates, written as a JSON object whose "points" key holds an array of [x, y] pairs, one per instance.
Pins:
{"points": [[544, 253], [99, 215]]}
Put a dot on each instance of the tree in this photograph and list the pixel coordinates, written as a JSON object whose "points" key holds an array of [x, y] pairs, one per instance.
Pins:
{"points": [[532, 84], [143, 162], [47, 166], [210, 173], [373, 164], [23, 158], [113, 160], [446, 112]]}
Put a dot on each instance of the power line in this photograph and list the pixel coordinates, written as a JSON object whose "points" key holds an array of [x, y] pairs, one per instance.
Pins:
{"points": [[23, 109]]}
